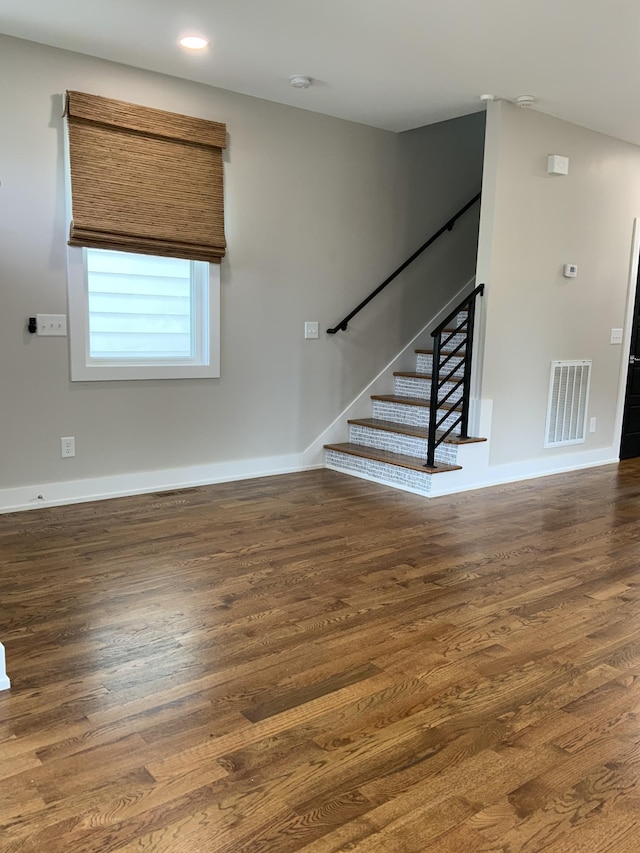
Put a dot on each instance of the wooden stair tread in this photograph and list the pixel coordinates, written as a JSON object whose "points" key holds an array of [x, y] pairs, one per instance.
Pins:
{"points": [[407, 429], [399, 459], [408, 401], [412, 374]]}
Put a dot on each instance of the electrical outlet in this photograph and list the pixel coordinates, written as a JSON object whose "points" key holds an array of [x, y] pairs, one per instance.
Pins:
{"points": [[67, 446]]}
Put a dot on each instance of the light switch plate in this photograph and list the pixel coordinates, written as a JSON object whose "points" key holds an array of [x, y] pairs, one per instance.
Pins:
{"points": [[311, 330], [616, 336], [52, 324]]}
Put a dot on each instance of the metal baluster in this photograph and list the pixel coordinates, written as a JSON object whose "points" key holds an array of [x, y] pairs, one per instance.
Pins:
{"points": [[433, 402]]}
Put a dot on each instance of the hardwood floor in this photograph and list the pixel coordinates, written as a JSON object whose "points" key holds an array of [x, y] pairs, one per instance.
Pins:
{"points": [[316, 663]]}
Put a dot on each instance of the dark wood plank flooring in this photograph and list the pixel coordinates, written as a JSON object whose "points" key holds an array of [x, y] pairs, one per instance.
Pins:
{"points": [[315, 663]]}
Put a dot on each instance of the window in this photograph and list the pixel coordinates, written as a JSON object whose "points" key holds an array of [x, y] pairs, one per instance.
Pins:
{"points": [[142, 317], [146, 237]]}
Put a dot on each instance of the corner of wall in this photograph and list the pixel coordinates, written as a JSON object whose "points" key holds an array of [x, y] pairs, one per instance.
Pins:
{"points": [[5, 684]]}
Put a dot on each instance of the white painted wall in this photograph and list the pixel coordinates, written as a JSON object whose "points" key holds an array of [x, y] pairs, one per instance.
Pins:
{"points": [[532, 224], [318, 211]]}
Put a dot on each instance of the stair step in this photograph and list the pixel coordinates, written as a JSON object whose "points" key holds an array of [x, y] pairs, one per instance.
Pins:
{"points": [[408, 401], [390, 458], [406, 429], [412, 374]]}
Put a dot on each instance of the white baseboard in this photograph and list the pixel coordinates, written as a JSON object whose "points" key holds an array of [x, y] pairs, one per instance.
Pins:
{"points": [[5, 684], [477, 473], [528, 470], [141, 482]]}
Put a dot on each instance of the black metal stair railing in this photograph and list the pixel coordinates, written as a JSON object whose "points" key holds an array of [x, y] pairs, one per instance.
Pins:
{"points": [[445, 365], [448, 226]]}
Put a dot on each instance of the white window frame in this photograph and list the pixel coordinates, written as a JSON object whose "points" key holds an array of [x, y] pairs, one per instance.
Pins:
{"points": [[205, 364]]}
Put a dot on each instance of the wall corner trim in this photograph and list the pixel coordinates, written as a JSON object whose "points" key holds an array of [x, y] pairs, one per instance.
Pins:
{"points": [[5, 684]]}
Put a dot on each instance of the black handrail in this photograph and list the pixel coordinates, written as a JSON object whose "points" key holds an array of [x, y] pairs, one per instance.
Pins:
{"points": [[342, 325], [436, 402]]}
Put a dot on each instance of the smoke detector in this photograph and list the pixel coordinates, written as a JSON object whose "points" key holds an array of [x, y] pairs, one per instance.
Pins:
{"points": [[299, 82], [525, 101], [487, 98]]}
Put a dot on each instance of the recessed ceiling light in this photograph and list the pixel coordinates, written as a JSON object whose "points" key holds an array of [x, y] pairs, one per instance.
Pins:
{"points": [[194, 42]]}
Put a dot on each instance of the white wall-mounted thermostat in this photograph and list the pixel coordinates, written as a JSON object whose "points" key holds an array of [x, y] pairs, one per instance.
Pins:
{"points": [[570, 270], [557, 165]]}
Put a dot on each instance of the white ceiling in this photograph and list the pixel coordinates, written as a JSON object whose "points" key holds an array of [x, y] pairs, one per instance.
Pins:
{"points": [[394, 64]]}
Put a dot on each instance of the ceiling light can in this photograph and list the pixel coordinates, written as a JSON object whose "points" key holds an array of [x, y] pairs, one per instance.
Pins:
{"points": [[194, 42]]}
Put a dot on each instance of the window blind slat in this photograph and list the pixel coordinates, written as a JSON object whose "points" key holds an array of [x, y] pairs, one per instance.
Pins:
{"points": [[126, 323]]}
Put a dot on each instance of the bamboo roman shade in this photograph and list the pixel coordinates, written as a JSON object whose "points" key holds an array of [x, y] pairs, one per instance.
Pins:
{"points": [[144, 180]]}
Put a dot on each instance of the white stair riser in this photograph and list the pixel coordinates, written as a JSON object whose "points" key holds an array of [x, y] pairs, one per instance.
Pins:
{"points": [[405, 414], [424, 364], [409, 386], [410, 445], [381, 472], [459, 318], [452, 343]]}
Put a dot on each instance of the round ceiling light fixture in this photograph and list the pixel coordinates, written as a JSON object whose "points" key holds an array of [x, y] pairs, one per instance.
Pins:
{"points": [[194, 42], [525, 101], [300, 82]]}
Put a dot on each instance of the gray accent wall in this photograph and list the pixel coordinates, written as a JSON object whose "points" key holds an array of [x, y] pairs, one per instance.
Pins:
{"points": [[318, 211]]}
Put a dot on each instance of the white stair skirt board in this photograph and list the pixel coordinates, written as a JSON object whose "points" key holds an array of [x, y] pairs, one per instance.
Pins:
{"points": [[5, 684]]}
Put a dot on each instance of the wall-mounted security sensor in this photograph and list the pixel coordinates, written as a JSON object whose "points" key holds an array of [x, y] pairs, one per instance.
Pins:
{"points": [[557, 165], [570, 271]]}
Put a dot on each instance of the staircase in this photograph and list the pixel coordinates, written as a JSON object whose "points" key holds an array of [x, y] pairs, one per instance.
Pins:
{"points": [[414, 425]]}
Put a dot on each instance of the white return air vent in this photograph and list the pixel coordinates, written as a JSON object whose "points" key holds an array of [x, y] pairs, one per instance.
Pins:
{"points": [[568, 401]]}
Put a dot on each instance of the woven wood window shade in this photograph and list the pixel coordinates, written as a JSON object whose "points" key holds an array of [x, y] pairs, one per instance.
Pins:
{"points": [[144, 180]]}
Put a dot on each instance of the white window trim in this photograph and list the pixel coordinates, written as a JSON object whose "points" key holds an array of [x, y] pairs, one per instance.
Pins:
{"points": [[84, 369]]}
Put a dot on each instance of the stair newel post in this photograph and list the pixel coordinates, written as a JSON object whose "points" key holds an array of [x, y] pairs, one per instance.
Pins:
{"points": [[433, 402], [466, 385]]}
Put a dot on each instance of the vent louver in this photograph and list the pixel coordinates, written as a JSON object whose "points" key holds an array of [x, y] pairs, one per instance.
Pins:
{"points": [[568, 401]]}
